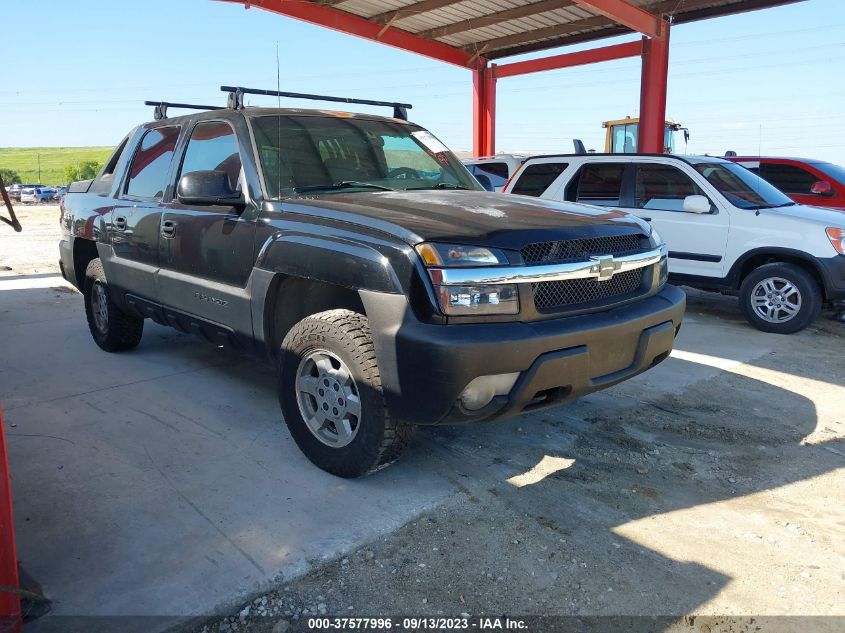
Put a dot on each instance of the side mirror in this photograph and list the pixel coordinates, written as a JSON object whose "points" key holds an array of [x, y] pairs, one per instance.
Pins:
{"points": [[697, 204], [208, 188], [822, 188]]}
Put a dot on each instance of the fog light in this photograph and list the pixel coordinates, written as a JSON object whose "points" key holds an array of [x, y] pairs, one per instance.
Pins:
{"points": [[480, 391]]}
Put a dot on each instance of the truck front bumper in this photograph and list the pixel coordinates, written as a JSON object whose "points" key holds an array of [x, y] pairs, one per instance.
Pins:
{"points": [[425, 368]]}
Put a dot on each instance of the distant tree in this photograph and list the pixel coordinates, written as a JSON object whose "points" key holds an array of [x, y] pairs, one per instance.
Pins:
{"points": [[71, 173], [9, 176], [83, 171]]}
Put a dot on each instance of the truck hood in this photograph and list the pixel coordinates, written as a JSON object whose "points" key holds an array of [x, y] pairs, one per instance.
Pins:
{"points": [[468, 217]]}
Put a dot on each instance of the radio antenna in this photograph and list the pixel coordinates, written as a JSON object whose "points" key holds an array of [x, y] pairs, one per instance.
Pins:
{"points": [[279, 123]]}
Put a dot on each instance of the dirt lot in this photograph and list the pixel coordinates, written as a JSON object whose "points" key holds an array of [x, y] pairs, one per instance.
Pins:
{"points": [[711, 486]]}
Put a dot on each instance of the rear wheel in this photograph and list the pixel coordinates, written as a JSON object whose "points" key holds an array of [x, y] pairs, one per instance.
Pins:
{"points": [[331, 395], [112, 329], [780, 298]]}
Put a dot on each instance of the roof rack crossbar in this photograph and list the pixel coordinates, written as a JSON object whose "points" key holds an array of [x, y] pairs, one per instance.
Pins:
{"points": [[161, 107], [236, 99]]}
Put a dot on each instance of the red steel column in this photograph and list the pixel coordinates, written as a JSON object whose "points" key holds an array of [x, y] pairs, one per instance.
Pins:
{"points": [[483, 112], [655, 75], [10, 603]]}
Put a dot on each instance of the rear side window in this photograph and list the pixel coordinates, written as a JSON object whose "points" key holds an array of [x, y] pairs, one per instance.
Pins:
{"points": [[151, 164], [788, 178], [496, 173], [599, 184], [536, 178], [214, 147]]}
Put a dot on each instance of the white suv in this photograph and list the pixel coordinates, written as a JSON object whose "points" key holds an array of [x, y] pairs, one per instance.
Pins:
{"points": [[726, 228]]}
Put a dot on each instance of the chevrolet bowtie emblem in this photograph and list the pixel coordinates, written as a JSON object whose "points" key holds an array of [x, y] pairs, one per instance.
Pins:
{"points": [[605, 266]]}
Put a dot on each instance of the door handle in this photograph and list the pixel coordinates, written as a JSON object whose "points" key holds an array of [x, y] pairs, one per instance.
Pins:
{"points": [[120, 223], [168, 228]]}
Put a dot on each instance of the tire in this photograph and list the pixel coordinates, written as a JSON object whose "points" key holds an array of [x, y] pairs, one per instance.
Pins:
{"points": [[112, 329], [346, 437], [780, 298]]}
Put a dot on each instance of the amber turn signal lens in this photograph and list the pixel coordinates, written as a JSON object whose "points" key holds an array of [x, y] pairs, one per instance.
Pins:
{"points": [[837, 238]]}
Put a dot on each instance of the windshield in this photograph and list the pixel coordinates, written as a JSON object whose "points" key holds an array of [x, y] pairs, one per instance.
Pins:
{"points": [[742, 188], [834, 171], [313, 154]]}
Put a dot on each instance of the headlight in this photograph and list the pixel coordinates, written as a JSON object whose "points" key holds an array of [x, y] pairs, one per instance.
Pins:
{"points": [[837, 238], [452, 255], [468, 300], [477, 300]]}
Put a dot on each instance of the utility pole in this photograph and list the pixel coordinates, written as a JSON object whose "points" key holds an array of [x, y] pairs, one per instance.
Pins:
{"points": [[38, 154]]}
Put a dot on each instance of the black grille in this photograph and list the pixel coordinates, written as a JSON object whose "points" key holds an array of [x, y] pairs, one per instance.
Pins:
{"points": [[554, 295], [579, 250]]}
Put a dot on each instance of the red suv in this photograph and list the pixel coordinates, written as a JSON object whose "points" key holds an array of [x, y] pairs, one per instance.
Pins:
{"points": [[806, 181]]}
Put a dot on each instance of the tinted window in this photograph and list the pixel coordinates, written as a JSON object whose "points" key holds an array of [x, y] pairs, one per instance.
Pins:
{"points": [[214, 147], [148, 174], [536, 178], [599, 184], [742, 188], [497, 173], [788, 178], [663, 187]]}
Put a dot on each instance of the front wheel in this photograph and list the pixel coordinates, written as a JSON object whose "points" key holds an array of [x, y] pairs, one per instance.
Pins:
{"points": [[112, 329], [331, 395], [780, 298]]}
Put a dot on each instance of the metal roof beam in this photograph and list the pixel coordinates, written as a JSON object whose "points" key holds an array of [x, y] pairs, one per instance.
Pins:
{"points": [[566, 60], [495, 18], [389, 17], [627, 14], [344, 22]]}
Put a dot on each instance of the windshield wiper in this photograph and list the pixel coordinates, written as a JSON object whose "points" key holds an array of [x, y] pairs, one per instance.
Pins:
{"points": [[343, 184], [439, 185]]}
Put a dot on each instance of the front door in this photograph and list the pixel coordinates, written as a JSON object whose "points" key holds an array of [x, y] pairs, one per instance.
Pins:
{"points": [[696, 241], [207, 251], [134, 221]]}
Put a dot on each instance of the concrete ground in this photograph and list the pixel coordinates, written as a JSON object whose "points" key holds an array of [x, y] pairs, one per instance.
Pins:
{"points": [[163, 482]]}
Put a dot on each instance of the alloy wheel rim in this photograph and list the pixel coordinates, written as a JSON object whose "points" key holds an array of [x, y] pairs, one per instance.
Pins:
{"points": [[776, 300], [99, 307], [328, 398]]}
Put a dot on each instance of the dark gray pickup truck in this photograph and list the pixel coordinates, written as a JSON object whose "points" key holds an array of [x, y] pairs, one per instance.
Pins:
{"points": [[360, 256]]}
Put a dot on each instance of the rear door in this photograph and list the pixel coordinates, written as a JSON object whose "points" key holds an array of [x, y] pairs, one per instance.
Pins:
{"points": [[134, 221], [207, 251]]}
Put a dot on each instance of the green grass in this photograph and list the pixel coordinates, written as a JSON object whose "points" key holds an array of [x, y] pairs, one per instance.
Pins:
{"points": [[24, 160]]}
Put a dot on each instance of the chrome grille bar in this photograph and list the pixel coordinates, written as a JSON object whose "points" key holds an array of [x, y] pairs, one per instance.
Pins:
{"points": [[598, 267]]}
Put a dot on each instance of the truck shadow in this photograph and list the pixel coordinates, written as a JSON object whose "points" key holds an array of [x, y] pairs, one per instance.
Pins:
{"points": [[591, 473]]}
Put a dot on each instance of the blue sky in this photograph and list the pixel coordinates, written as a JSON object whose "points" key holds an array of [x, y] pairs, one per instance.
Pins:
{"points": [[766, 80]]}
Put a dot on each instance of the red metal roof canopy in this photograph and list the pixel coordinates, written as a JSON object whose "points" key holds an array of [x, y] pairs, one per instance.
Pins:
{"points": [[473, 33]]}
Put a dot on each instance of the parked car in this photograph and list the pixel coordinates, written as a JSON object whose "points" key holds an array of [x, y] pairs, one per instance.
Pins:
{"points": [[36, 194], [726, 228], [492, 172], [360, 256], [814, 182], [15, 190], [59, 192]]}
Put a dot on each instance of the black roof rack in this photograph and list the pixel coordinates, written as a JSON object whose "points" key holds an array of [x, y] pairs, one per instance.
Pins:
{"points": [[236, 99], [161, 107]]}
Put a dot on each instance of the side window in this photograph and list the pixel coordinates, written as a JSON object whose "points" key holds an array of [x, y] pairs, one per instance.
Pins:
{"points": [[496, 172], [788, 178], [599, 184], [536, 178], [213, 147], [663, 188], [148, 173]]}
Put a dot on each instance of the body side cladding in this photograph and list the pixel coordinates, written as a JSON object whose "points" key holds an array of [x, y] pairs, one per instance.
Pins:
{"points": [[695, 257]]}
